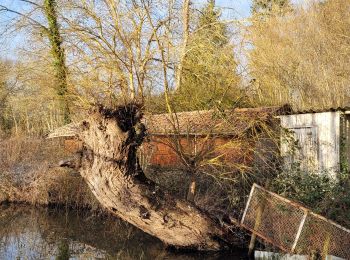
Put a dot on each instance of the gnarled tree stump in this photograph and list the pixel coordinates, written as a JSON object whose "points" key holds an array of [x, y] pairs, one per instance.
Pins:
{"points": [[109, 165]]}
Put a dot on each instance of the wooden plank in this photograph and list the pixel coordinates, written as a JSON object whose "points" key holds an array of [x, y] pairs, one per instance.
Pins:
{"points": [[273, 255]]}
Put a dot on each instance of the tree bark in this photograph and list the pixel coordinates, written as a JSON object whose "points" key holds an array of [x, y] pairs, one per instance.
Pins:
{"points": [[109, 165], [186, 34], [59, 61]]}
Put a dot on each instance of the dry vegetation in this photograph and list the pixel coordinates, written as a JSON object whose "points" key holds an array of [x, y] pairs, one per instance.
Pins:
{"points": [[29, 174], [302, 57], [294, 55], [171, 56]]}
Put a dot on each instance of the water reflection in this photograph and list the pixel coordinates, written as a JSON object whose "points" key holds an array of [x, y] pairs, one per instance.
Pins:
{"points": [[38, 233]]}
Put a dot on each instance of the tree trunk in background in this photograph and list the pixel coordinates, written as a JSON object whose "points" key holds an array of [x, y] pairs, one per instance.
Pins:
{"points": [[186, 34], [110, 167], [191, 189], [57, 52]]}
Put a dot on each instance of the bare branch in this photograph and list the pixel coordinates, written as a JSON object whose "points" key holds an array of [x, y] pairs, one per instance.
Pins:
{"points": [[30, 2], [5, 9]]}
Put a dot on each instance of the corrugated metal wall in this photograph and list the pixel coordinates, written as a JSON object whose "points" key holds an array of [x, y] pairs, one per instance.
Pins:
{"points": [[317, 137], [345, 141]]}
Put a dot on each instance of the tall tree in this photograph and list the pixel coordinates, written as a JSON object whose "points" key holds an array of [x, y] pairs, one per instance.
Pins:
{"points": [[186, 34], [51, 31], [57, 51], [3, 96], [209, 75], [118, 41]]}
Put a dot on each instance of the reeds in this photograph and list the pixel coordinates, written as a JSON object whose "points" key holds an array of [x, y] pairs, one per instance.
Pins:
{"points": [[29, 174]]}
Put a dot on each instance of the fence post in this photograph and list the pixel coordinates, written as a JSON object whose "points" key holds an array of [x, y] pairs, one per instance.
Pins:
{"points": [[256, 226], [326, 246], [257, 223], [302, 222], [252, 241]]}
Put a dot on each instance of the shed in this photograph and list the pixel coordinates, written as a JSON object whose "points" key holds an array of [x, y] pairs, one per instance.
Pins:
{"points": [[316, 140], [222, 128], [192, 130]]}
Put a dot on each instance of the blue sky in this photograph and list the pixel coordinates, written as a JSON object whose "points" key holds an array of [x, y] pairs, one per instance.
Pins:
{"points": [[232, 9], [241, 7]]}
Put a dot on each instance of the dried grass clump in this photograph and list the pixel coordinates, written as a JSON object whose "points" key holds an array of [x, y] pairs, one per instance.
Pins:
{"points": [[29, 174]]}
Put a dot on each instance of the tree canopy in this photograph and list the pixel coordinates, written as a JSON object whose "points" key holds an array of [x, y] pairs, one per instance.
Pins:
{"points": [[209, 68]]}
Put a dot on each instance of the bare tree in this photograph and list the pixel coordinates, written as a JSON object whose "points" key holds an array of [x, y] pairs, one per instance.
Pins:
{"points": [[53, 34], [115, 38]]}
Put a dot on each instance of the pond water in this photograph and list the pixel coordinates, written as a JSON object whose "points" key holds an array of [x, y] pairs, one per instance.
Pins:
{"points": [[39, 233]]}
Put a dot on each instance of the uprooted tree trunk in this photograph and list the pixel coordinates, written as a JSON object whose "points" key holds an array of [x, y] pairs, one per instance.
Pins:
{"points": [[110, 167]]}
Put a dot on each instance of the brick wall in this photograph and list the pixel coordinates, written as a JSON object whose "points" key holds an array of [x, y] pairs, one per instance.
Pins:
{"points": [[158, 150], [161, 150]]}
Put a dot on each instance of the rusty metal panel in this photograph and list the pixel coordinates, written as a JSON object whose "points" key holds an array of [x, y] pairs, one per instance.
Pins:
{"points": [[292, 227], [280, 220], [317, 231]]}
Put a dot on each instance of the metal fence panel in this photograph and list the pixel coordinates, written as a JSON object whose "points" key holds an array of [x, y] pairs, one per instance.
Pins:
{"points": [[292, 227]]}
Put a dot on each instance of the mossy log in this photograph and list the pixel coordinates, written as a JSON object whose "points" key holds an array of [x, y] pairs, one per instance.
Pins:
{"points": [[109, 165]]}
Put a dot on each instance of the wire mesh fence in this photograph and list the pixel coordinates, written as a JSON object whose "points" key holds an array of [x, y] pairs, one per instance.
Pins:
{"points": [[293, 228]]}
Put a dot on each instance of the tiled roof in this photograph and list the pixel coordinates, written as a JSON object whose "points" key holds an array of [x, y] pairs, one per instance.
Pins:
{"points": [[229, 122], [316, 110], [232, 122]]}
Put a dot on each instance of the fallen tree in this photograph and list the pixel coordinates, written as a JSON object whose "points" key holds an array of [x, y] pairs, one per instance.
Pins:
{"points": [[109, 164]]}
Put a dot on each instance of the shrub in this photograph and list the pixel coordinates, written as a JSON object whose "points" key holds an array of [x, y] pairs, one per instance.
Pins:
{"points": [[320, 192]]}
